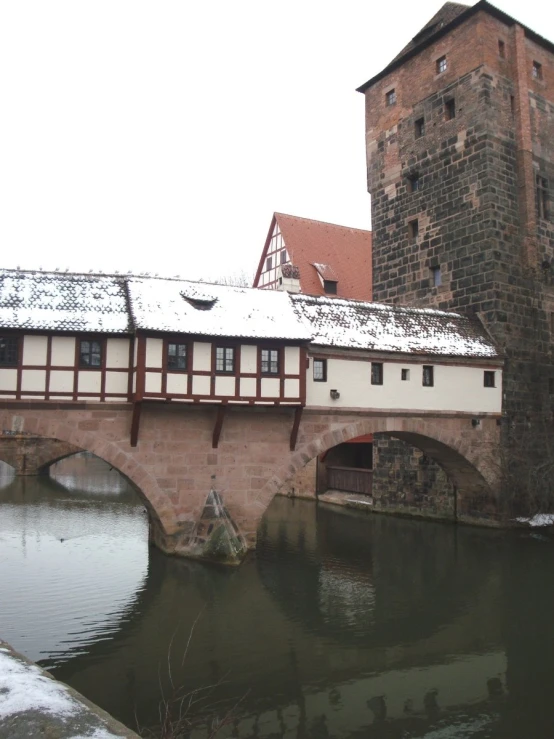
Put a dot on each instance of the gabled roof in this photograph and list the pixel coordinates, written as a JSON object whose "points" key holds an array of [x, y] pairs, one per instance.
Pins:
{"points": [[447, 18], [345, 251], [63, 302], [353, 324]]}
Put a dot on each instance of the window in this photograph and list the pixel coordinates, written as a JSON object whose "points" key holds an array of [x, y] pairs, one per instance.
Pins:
{"points": [[542, 197], [450, 109], [413, 229], [441, 65], [320, 370], [419, 128], [436, 277], [176, 356], [537, 71], [428, 376], [225, 359], [414, 183], [9, 351], [270, 362], [390, 97], [501, 49], [488, 378], [90, 353], [405, 374], [330, 287], [376, 373], [283, 257], [268, 263]]}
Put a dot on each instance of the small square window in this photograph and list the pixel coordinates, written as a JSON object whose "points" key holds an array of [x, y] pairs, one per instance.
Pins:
{"points": [[376, 373], [176, 356], [537, 71], [320, 370], [405, 374], [501, 49], [428, 378], [414, 183], [330, 287], [441, 65], [419, 127], [225, 359], [488, 378], [390, 97], [413, 229], [9, 351], [270, 362], [436, 277], [268, 263], [450, 109], [90, 353]]}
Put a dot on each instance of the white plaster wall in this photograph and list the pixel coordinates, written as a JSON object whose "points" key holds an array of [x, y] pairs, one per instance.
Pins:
{"points": [[292, 360], [154, 352], [35, 349], [292, 388], [248, 387], [8, 379], [456, 388], [63, 351], [200, 384], [248, 359], [177, 383], [117, 382], [152, 382], [117, 353], [135, 351], [270, 387], [89, 382], [33, 380], [61, 381], [202, 357], [134, 385], [225, 385]]}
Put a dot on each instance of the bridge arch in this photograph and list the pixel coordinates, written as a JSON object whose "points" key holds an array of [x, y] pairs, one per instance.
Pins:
{"points": [[469, 466]]}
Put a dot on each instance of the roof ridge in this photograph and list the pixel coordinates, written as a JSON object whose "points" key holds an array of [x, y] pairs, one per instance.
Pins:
{"points": [[375, 305]]}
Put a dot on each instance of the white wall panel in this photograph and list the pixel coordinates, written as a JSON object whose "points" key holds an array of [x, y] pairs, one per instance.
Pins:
{"points": [[292, 360], [89, 382], [270, 387], [202, 356], [61, 381], [153, 382], [292, 388], [200, 385], [35, 349], [248, 387], [225, 386], [248, 359], [63, 351], [8, 379], [33, 380], [177, 383], [117, 382], [154, 352], [117, 353]]}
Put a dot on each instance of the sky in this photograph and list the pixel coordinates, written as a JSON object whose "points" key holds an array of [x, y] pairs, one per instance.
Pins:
{"points": [[161, 136]]}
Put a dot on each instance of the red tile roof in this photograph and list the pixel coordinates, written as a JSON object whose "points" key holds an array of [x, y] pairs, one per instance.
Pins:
{"points": [[345, 252]]}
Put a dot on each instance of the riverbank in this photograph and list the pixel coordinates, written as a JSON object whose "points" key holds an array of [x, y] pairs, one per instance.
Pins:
{"points": [[33, 703]]}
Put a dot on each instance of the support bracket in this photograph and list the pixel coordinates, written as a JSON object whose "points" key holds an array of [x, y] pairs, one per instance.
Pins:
{"points": [[295, 427], [218, 425], [135, 423]]}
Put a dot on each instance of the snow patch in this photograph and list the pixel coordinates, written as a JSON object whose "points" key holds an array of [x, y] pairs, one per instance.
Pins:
{"points": [[539, 519]]}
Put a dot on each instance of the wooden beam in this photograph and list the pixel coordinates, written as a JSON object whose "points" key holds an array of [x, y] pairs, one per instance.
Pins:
{"points": [[135, 423], [295, 427], [218, 425]]}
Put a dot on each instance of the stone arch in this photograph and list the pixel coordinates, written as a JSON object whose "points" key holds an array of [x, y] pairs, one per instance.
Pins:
{"points": [[468, 465], [97, 437]]}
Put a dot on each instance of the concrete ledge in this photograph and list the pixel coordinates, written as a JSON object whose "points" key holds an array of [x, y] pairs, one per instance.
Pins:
{"points": [[35, 704]]}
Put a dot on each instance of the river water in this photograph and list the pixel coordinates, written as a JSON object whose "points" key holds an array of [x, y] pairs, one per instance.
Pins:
{"points": [[341, 625]]}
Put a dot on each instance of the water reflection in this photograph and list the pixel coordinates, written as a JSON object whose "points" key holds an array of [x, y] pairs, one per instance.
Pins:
{"points": [[342, 625]]}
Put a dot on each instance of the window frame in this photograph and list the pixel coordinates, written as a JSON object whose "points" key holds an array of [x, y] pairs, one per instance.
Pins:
{"points": [[542, 197], [436, 275], [171, 342], [405, 374], [536, 70], [501, 48], [428, 375], [330, 287], [268, 372], [101, 352], [390, 97], [15, 341], [489, 378], [225, 348], [413, 230], [450, 109], [414, 182], [377, 373], [419, 127], [441, 64], [323, 363]]}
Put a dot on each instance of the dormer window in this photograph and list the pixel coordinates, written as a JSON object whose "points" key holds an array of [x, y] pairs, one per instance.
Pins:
{"points": [[328, 278], [198, 298], [330, 287]]}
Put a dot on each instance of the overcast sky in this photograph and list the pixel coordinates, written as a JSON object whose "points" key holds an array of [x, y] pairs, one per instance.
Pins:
{"points": [[160, 136]]}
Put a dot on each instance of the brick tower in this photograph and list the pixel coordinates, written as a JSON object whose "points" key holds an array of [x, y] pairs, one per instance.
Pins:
{"points": [[460, 160]]}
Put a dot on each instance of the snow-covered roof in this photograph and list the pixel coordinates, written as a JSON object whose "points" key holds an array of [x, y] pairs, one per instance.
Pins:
{"points": [[213, 310], [354, 324], [50, 301]]}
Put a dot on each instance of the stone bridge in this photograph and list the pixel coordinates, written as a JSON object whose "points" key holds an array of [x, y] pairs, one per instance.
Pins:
{"points": [[174, 465]]}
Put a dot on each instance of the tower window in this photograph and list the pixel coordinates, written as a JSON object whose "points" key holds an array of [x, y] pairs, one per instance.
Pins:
{"points": [[419, 128], [441, 65], [413, 229], [450, 109], [501, 49], [488, 378], [414, 183], [390, 97], [376, 373], [537, 71], [436, 277], [428, 378], [542, 197]]}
